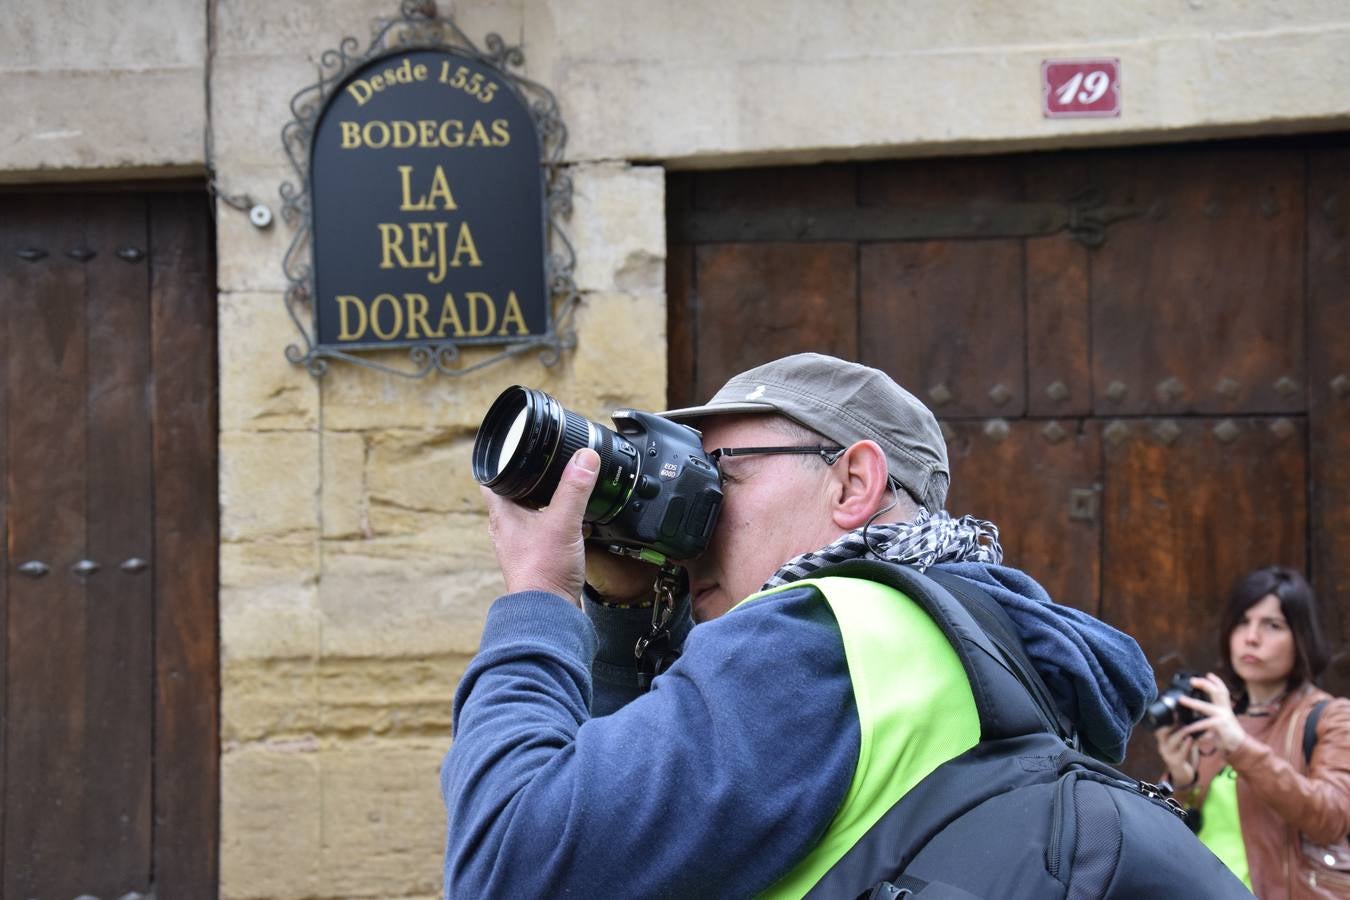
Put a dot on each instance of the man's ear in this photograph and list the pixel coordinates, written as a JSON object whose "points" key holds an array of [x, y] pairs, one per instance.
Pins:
{"points": [[860, 485]]}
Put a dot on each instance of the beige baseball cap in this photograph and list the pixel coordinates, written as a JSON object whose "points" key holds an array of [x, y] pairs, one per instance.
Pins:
{"points": [[846, 402]]}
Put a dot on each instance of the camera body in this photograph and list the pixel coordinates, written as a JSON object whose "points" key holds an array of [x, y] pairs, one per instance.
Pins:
{"points": [[676, 491], [1167, 711], [657, 491]]}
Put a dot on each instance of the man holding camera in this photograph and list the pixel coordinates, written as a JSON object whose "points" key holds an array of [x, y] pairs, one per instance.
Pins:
{"points": [[800, 709]]}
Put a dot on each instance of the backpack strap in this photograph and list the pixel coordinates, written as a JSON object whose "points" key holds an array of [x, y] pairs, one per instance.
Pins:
{"points": [[1001, 631], [1010, 696], [1310, 730]]}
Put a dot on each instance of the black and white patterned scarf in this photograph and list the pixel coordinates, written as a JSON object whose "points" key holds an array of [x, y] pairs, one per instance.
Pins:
{"points": [[931, 538]]}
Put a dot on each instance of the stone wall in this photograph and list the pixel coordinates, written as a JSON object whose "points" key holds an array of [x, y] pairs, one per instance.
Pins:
{"points": [[354, 567]]}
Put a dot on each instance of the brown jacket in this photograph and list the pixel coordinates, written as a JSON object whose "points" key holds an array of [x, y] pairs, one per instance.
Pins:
{"points": [[1280, 798]]}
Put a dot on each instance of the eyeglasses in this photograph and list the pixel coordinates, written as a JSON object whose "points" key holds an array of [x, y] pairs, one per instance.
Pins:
{"points": [[829, 454]]}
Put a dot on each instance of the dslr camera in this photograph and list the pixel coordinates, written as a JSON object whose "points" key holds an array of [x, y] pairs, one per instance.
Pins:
{"points": [[657, 495], [1167, 711]]}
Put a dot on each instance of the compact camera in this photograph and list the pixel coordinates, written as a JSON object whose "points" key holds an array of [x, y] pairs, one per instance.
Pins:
{"points": [[1167, 711], [658, 492]]}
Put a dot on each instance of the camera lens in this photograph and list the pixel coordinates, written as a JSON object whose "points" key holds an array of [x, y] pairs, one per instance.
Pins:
{"points": [[1162, 712], [525, 442]]}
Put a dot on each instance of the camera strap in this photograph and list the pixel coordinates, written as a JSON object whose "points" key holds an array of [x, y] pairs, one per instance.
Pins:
{"points": [[654, 651]]}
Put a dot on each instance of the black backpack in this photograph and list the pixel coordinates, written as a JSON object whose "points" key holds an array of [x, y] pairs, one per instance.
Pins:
{"points": [[1024, 813]]}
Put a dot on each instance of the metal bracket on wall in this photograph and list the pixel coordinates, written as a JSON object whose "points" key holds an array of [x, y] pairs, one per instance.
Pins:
{"points": [[1085, 218]]}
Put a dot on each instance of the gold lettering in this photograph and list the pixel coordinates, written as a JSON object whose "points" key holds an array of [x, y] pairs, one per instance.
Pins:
{"points": [[356, 89], [475, 298], [452, 127], [500, 129], [377, 82], [405, 133], [419, 72], [440, 254], [375, 316], [391, 244], [465, 245], [426, 132], [346, 332], [478, 135], [407, 205], [445, 71], [351, 135], [420, 232], [417, 312], [449, 317], [369, 129], [513, 313], [440, 187]]}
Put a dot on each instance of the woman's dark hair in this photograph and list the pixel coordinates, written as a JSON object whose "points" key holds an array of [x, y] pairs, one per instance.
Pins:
{"points": [[1299, 608]]}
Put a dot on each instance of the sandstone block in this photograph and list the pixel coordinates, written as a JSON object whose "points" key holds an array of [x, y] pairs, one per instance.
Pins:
{"points": [[75, 36], [269, 484], [345, 513], [250, 103], [426, 597], [423, 471], [356, 398], [251, 259], [400, 697], [270, 822], [255, 28], [264, 699], [260, 390], [618, 227], [620, 359], [269, 601], [72, 119], [383, 819]]}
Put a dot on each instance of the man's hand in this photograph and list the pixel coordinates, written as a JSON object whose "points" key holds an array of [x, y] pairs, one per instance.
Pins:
{"points": [[542, 550], [618, 580]]}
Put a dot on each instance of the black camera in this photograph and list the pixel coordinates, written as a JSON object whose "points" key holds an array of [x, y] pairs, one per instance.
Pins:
{"points": [[657, 491], [1167, 711]]}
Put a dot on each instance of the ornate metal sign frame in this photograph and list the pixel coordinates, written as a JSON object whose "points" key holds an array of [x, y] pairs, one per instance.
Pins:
{"points": [[419, 27]]}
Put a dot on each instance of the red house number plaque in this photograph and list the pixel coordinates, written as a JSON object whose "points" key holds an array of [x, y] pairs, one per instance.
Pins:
{"points": [[1080, 87]]}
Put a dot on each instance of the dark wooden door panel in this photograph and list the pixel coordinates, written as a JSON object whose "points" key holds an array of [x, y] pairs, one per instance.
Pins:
{"points": [[9, 246], [757, 302], [1058, 335], [1190, 505], [1329, 373], [107, 458], [1039, 483], [946, 318], [931, 309], [681, 356], [1059, 373], [1200, 303], [183, 340], [48, 723], [119, 530]]}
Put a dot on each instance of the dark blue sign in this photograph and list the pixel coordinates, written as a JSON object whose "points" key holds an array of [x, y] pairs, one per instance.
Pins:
{"points": [[428, 208]]}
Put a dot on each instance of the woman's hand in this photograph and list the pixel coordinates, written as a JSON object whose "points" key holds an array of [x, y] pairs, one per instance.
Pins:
{"points": [[1216, 721], [1180, 754]]}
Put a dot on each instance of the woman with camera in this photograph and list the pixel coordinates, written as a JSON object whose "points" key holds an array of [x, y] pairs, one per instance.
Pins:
{"points": [[1277, 817]]}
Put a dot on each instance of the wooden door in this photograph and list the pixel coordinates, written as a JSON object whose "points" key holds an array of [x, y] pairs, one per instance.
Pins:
{"points": [[1138, 356], [108, 546]]}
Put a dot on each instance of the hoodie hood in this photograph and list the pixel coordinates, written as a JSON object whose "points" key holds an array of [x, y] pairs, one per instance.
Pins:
{"points": [[1097, 675]]}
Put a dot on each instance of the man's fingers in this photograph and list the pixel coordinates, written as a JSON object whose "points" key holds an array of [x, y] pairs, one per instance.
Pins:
{"points": [[574, 489]]}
